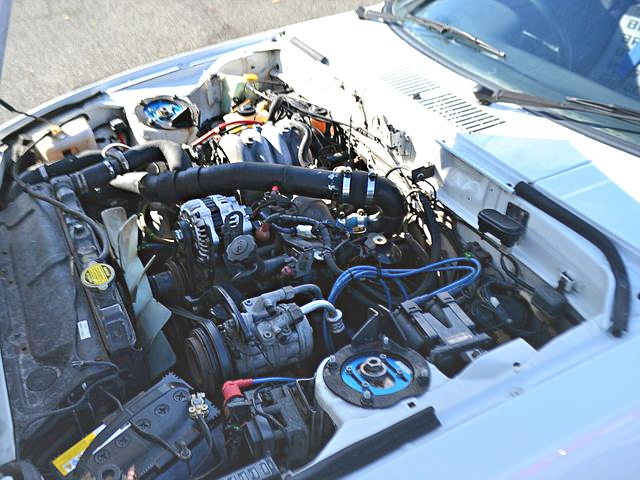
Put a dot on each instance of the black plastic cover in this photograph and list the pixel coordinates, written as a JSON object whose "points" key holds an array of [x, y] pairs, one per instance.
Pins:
{"points": [[504, 228]]}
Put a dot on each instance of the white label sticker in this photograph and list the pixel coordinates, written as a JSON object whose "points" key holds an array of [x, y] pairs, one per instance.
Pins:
{"points": [[83, 330]]}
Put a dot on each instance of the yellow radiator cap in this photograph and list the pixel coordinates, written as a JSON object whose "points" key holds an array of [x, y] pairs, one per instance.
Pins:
{"points": [[98, 275]]}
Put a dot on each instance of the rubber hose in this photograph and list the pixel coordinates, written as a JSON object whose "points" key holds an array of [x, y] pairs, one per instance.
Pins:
{"points": [[159, 150], [275, 106], [63, 166], [309, 288], [173, 187], [101, 173], [304, 143]]}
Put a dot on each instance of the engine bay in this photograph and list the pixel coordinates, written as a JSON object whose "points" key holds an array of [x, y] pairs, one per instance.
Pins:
{"points": [[208, 284]]}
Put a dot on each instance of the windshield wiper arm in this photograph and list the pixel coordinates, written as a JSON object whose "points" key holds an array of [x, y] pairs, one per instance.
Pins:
{"points": [[487, 96], [439, 27]]}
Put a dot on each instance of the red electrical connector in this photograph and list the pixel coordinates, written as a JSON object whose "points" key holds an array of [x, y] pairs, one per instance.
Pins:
{"points": [[233, 388]]}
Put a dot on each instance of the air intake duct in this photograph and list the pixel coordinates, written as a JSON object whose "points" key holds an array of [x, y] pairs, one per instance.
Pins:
{"points": [[359, 189]]}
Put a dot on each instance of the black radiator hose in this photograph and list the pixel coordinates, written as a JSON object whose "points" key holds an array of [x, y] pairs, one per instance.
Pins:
{"points": [[359, 189], [164, 150], [100, 171], [159, 150], [63, 166]]}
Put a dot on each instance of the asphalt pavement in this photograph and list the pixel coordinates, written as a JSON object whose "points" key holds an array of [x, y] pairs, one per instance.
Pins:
{"points": [[55, 46]]}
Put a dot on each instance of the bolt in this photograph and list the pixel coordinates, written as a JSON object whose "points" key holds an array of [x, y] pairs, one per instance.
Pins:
{"points": [[349, 369], [78, 230], [383, 357], [365, 385], [269, 307], [385, 342], [517, 391], [332, 363], [164, 112], [423, 376], [367, 398], [184, 450]]}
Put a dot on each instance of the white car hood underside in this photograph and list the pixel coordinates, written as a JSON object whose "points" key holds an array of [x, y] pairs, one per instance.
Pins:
{"points": [[438, 109]]}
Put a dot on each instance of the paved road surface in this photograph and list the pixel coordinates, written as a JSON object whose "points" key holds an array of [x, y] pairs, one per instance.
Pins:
{"points": [[57, 45]]}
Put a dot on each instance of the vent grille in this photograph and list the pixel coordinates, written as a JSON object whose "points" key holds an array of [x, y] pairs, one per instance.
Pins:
{"points": [[464, 115]]}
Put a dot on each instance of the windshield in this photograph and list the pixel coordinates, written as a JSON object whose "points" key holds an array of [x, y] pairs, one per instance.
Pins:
{"points": [[554, 49]]}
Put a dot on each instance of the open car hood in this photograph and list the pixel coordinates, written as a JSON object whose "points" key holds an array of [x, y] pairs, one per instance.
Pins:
{"points": [[5, 18]]}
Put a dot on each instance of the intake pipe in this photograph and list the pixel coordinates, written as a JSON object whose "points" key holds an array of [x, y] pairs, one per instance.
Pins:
{"points": [[99, 171], [359, 189]]}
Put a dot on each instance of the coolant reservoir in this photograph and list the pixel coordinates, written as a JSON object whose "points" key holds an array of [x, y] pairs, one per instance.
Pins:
{"points": [[75, 136], [247, 111]]}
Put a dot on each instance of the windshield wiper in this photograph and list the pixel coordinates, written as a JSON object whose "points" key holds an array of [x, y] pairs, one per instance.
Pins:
{"points": [[439, 27], [487, 96]]}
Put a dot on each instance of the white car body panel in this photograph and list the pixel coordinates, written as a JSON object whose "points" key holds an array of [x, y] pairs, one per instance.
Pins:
{"points": [[569, 410]]}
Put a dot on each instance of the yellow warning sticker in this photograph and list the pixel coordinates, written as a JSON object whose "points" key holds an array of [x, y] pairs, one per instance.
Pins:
{"points": [[98, 275], [66, 462]]}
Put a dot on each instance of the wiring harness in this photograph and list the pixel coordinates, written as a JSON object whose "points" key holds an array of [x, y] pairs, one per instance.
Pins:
{"points": [[469, 265]]}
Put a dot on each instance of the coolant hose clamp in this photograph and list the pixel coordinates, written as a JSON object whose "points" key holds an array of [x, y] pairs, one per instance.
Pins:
{"points": [[110, 169], [371, 188], [346, 184], [80, 182], [43, 172], [113, 152]]}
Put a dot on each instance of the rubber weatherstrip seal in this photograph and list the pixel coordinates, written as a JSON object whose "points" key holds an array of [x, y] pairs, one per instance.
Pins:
{"points": [[622, 292], [372, 448]]}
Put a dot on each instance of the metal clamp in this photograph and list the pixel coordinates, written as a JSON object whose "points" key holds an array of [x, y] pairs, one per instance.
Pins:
{"points": [[43, 171], [371, 188], [346, 184], [112, 151], [80, 182], [112, 171]]}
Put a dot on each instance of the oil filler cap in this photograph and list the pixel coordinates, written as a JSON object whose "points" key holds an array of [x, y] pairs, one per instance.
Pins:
{"points": [[241, 248], [98, 276]]}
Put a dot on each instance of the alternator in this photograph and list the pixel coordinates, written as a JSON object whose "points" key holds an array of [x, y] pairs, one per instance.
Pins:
{"points": [[207, 217]]}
